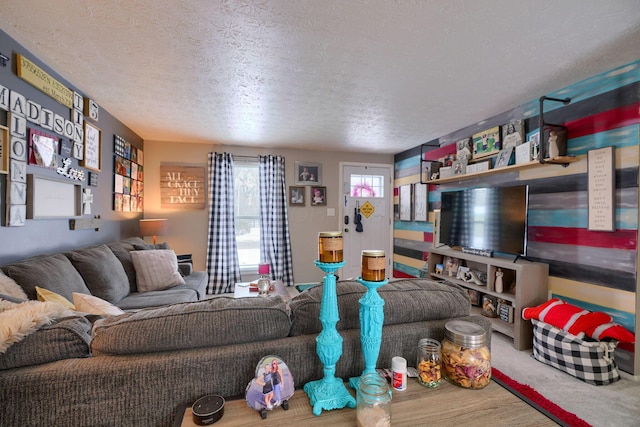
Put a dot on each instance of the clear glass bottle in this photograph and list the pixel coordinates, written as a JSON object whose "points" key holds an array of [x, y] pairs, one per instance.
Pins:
{"points": [[373, 401], [428, 364], [466, 360]]}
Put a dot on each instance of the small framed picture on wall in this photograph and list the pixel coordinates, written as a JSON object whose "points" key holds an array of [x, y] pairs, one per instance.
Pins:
{"points": [[296, 195], [308, 173]]}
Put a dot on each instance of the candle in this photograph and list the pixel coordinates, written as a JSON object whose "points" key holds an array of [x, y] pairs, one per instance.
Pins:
{"points": [[263, 269], [373, 265], [330, 246]]}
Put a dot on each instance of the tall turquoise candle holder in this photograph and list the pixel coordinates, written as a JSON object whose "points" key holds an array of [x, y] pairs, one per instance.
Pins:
{"points": [[371, 320], [329, 392]]}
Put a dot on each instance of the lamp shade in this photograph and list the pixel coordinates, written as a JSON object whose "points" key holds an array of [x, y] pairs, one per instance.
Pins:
{"points": [[154, 227]]}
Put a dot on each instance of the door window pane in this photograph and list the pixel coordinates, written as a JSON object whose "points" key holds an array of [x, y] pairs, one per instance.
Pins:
{"points": [[371, 186]]}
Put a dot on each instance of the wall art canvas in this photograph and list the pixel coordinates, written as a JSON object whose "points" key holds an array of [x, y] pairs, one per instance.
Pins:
{"points": [[296, 195], [404, 202], [43, 149], [487, 143]]}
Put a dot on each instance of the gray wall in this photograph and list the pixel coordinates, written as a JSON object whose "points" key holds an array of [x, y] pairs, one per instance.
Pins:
{"points": [[50, 235]]}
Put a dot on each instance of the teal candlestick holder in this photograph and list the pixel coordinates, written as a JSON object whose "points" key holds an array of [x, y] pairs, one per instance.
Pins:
{"points": [[371, 320], [329, 392]]}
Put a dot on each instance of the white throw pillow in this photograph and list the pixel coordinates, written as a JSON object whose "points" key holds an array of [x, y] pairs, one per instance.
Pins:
{"points": [[94, 305], [156, 269]]}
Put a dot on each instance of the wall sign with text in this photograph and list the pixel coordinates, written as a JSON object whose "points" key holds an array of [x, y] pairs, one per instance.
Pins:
{"points": [[182, 186]]}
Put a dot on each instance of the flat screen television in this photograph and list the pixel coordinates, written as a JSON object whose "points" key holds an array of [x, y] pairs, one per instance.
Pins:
{"points": [[488, 219]]}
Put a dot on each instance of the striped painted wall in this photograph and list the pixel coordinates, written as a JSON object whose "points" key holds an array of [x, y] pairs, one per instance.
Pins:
{"points": [[596, 270]]}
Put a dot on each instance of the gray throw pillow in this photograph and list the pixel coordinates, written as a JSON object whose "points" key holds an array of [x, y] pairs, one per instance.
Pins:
{"points": [[52, 272], [103, 273]]}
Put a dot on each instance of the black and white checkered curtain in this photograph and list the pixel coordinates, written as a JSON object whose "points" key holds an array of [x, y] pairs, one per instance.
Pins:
{"points": [[275, 242], [222, 253]]}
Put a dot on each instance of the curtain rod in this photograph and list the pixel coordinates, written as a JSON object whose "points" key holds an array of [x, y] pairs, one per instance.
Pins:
{"points": [[246, 157]]}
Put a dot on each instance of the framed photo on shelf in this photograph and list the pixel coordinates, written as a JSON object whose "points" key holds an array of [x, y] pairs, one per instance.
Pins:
{"points": [[318, 196], [534, 139], [513, 134], [308, 173], [459, 167], [486, 143], [92, 147], [523, 153], [464, 149], [296, 195], [503, 158]]}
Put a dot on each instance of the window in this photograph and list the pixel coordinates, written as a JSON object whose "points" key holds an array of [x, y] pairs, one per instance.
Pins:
{"points": [[371, 186], [246, 186]]}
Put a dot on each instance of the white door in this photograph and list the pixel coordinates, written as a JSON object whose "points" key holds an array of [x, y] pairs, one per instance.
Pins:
{"points": [[367, 186]]}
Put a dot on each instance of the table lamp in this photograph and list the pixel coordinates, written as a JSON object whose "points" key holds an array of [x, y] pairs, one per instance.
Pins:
{"points": [[154, 227]]}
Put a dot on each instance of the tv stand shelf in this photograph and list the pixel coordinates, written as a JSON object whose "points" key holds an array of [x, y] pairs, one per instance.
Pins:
{"points": [[524, 285]]}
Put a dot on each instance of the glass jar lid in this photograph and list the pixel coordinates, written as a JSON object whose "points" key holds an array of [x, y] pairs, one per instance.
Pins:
{"points": [[375, 252], [330, 234], [465, 334]]}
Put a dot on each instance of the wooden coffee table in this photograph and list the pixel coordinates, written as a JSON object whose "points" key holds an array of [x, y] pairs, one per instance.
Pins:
{"points": [[447, 405]]}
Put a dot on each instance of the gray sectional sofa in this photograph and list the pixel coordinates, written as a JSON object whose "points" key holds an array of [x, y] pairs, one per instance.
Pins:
{"points": [[106, 271], [141, 367]]}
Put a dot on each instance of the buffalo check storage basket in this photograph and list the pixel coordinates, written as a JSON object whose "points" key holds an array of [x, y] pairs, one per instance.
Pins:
{"points": [[591, 361]]}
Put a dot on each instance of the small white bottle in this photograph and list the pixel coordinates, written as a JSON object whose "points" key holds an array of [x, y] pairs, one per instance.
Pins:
{"points": [[399, 373]]}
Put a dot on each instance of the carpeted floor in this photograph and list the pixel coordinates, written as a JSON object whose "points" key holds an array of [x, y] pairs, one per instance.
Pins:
{"points": [[613, 405]]}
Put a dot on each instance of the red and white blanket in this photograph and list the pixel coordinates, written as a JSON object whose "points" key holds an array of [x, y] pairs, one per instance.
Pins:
{"points": [[577, 321]]}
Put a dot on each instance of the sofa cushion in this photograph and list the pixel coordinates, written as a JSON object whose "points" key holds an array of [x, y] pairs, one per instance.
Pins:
{"points": [[52, 272], [406, 301], [93, 305], [156, 269], [212, 322], [138, 300], [102, 272], [65, 339]]}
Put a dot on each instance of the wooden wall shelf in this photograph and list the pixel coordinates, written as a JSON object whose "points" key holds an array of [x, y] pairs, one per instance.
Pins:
{"points": [[563, 160]]}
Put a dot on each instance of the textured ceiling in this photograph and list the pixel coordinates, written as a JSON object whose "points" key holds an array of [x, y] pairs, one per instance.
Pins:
{"points": [[354, 75]]}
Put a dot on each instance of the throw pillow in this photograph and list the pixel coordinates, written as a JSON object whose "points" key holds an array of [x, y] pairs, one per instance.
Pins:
{"points": [[8, 286], [156, 269], [54, 272], [45, 295], [93, 305], [102, 272], [578, 321], [150, 246]]}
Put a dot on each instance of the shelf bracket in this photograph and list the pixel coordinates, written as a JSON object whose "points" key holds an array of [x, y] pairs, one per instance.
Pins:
{"points": [[424, 171], [542, 124]]}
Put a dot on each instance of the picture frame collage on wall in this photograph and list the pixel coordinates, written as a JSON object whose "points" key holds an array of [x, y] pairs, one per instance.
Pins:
{"points": [[128, 177], [307, 174], [495, 147]]}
